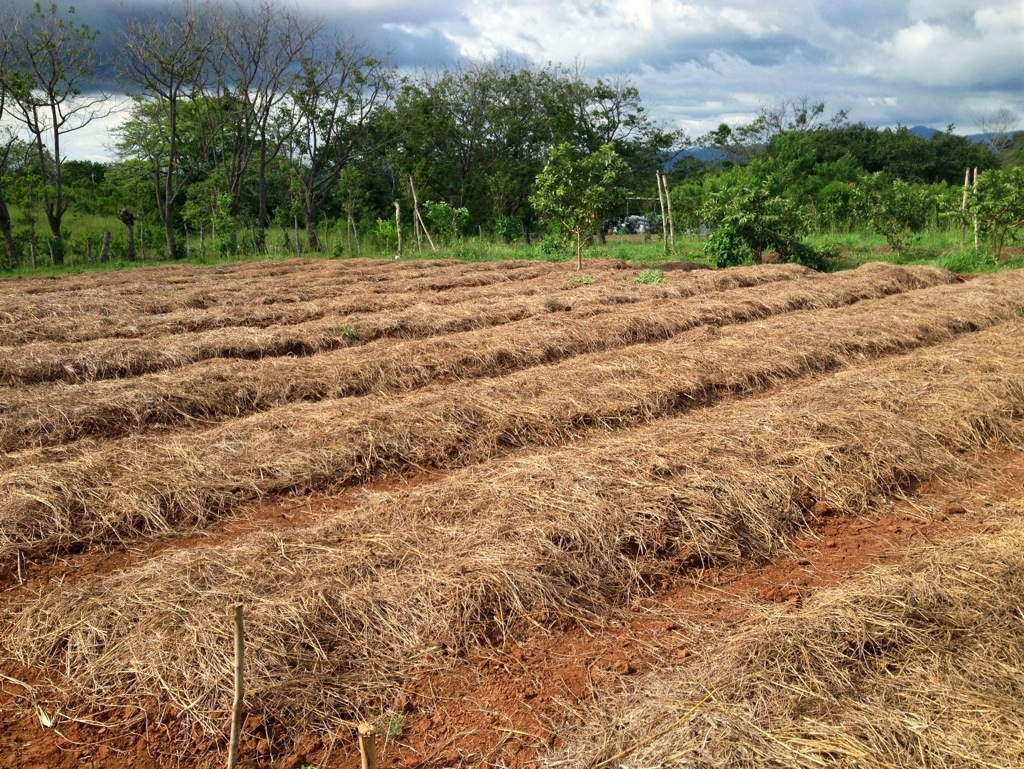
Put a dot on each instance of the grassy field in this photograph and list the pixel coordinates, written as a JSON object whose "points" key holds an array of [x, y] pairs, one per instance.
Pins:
{"points": [[932, 247], [408, 470]]}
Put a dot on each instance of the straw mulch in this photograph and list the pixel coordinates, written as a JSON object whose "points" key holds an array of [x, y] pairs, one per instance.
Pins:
{"points": [[916, 666], [341, 611], [155, 485], [363, 316], [554, 330], [126, 310]]}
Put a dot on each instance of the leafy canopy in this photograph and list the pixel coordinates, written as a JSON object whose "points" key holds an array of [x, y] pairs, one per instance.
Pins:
{"points": [[575, 189]]}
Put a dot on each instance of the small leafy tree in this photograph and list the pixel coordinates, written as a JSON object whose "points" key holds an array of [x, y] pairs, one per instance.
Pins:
{"points": [[574, 190], [446, 220], [508, 228], [752, 219], [998, 202], [895, 209]]}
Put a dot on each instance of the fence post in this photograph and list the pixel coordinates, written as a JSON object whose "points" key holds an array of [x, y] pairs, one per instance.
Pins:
{"points": [[236, 708], [367, 746]]}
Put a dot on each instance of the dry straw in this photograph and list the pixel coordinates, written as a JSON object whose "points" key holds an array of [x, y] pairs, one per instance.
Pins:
{"points": [[916, 666], [554, 329], [241, 331], [340, 612], [153, 485], [165, 305]]}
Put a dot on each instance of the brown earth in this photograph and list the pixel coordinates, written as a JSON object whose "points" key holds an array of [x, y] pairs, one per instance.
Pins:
{"points": [[504, 703], [507, 705]]}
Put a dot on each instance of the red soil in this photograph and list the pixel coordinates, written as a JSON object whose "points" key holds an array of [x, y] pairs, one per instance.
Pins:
{"points": [[507, 705]]}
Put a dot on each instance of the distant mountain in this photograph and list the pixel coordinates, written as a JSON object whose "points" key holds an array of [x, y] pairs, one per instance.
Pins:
{"points": [[924, 131], [712, 155], [927, 133]]}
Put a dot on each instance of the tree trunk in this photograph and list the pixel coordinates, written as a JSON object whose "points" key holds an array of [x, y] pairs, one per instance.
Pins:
{"points": [[398, 228], [172, 159], [8, 233], [128, 218], [311, 214], [263, 218]]}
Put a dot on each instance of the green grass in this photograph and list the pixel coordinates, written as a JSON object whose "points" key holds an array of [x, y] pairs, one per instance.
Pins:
{"points": [[938, 248], [649, 277], [932, 247]]}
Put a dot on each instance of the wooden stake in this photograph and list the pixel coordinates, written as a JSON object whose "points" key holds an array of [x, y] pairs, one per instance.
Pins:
{"points": [[416, 218], [398, 226], [963, 208], [419, 217], [976, 238], [661, 202], [367, 746], [668, 204], [236, 708]]}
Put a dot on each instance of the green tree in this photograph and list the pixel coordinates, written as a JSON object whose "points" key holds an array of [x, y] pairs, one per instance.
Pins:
{"points": [[749, 218], [998, 202], [894, 208], [447, 221], [254, 61], [48, 60], [166, 61], [7, 142], [574, 190], [333, 101]]}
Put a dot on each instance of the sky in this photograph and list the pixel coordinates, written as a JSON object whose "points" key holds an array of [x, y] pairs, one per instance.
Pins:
{"points": [[699, 64]]}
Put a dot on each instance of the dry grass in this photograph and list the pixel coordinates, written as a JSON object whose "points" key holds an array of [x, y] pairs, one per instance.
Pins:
{"points": [[916, 666], [154, 485], [125, 309], [361, 317], [554, 330], [339, 612]]}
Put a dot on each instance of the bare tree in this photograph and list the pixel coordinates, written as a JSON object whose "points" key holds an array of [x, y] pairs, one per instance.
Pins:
{"points": [[165, 59], [1000, 129], [798, 114], [262, 47], [49, 62], [7, 139], [338, 90]]}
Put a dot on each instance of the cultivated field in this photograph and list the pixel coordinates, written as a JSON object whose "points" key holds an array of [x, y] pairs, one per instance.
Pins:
{"points": [[513, 517]]}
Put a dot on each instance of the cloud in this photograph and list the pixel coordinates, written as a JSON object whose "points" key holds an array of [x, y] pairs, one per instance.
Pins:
{"points": [[699, 63]]}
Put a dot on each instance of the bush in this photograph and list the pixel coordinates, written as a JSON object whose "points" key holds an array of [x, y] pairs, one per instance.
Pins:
{"points": [[750, 221], [508, 228]]}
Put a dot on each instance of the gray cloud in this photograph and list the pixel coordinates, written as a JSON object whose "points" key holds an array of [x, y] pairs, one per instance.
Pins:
{"points": [[698, 64]]}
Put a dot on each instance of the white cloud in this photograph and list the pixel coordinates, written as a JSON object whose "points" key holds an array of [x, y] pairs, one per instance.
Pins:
{"points": [[699, 63]]}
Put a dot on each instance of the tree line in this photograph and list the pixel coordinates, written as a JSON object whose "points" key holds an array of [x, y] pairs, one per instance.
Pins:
{"points": [[240, 120], [243, 118], [794, 171]]}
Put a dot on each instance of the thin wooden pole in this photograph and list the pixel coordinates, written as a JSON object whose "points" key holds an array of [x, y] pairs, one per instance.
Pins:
{"points": [[671, 223], [661, 203], [367, 746], [977, 244], [236, 707], [419, 217], [963, 208], [398, 226], [415, 218]]}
